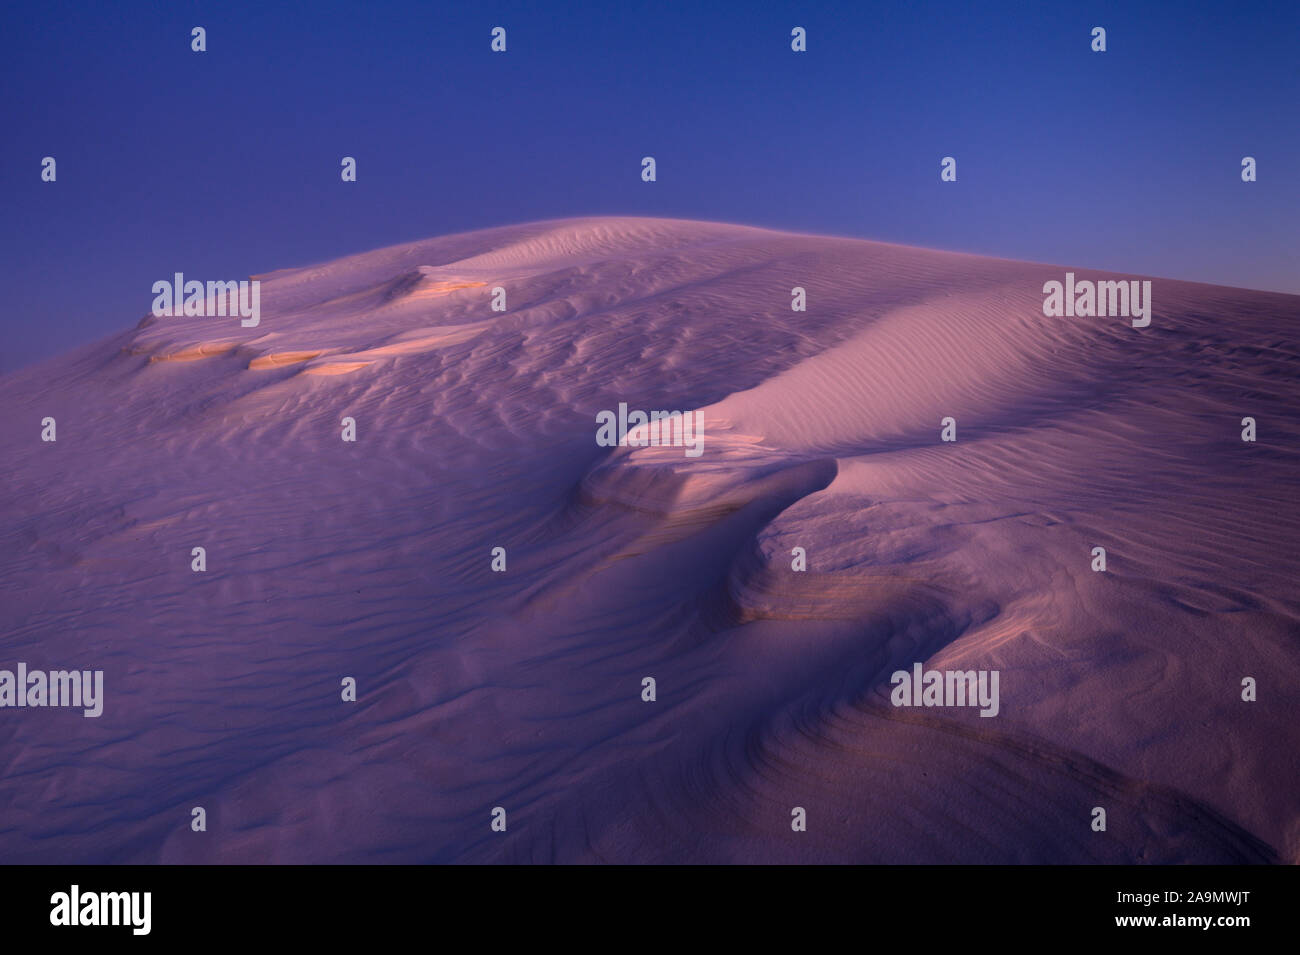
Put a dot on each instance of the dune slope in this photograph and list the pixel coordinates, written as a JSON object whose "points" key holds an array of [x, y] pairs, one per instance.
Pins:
{"points": [[522, 689]]}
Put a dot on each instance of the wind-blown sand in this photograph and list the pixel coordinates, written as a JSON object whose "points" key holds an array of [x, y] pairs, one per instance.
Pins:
{"points": [[523, 689]]}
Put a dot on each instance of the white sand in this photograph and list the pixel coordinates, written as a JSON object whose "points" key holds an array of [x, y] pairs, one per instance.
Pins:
{"points": [[522, 690]]}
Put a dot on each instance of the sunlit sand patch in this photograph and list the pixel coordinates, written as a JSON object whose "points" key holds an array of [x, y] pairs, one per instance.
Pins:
{"points": [[411, 285], [276, 359], [335, 368], [436, 289], [415, 284], [196, 352]]}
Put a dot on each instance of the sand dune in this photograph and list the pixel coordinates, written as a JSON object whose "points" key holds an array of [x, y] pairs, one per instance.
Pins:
{"points": [[476, 429]]}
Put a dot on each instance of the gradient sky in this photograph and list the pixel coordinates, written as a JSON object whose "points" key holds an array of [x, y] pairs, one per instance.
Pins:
{"points": [[226, 163]]}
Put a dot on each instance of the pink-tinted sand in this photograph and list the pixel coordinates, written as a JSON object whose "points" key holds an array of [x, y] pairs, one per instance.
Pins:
{"points": [[522, 689]]}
